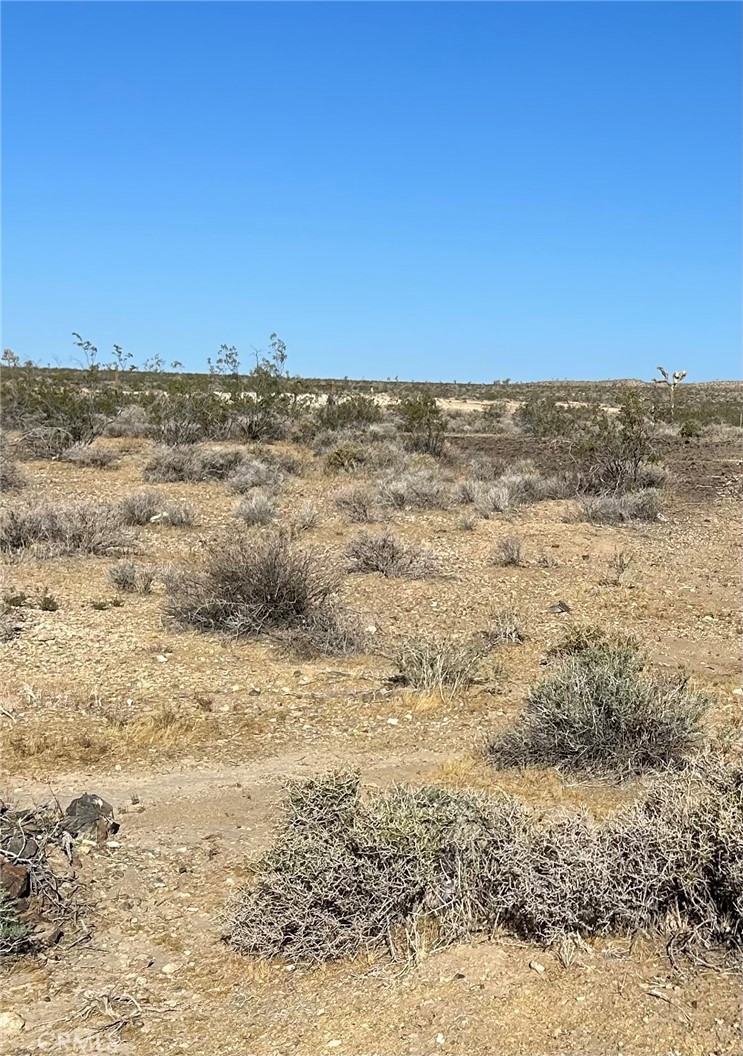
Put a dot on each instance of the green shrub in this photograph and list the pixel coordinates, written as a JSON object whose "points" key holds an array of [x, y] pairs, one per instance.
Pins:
{"points": [[598, 711]]}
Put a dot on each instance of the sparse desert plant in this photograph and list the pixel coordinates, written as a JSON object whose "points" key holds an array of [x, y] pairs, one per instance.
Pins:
{"points": [[389, 556], [467, 522], [409, 868], [89, 457], [150, 506], [417, 489], [256, 508], [422, 416], [306, 518], [493, 498], [509, 552], [345, 457], [139, 507], [252, 473], [12, 476], [250, 586], [358, 503], [619, 509], [131, 578], [130, 423], [578, 638], [54, 530], [599, 711], [438, 664], [170, 465], [619, 564], [504, 627]]}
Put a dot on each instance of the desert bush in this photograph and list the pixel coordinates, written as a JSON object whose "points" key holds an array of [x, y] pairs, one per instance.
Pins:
{"points": [[358, 503], [131, 578], [425, 421], [404, 868], [492, 498], [257, 508], [504, 627], [306, 518], [438, 664], [347, 412], [330, 630], [141, 506], [249, 586], [619, 509], [485, 469], [170, 465], [467, 522], [614, 454], [509, 552], [579, 638], [130, 423], [12, 476], [252, 473], [52, 530], [391, 557], [599, 711], [421, 489], [345, 457], [88, 457]]}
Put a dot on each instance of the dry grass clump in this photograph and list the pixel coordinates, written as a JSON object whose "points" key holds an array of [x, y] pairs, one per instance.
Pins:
{"points": [[580, 638], [600, 712], [150, 506], [404, 868], [87, 457], [358, 503], [55, 530], [12, 476], [510, 552], [250, 586], [504, 628], [391, 557], [438, 664], [619, 509], [170, 465], [257, 508], [131, 578], [306, 518], [130, 423], [418, 489]]}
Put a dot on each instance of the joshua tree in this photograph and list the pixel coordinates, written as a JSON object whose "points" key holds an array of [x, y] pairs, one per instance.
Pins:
{"points": [[672, 381]]}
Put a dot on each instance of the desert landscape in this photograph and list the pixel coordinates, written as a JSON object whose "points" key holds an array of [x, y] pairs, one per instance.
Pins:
{"points": [[410, 715]]}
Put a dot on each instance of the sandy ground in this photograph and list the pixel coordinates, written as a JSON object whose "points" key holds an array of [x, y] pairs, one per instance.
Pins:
{"points": [[197, 801]]}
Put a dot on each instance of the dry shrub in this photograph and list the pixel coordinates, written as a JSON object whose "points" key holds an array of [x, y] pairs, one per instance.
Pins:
{"points": [[504, 628], [85, 527], [12, 476], [358, 503], [306, 518], [131, 578], [619, 509], [87, 457], [130, 423], [256, 508], [438, 664], [510, 551], [579, 638], [421, 489], [150, 506], [170, 465], [252, 473], [404, 867], [600, 712], [390, 557], [250, 586]]}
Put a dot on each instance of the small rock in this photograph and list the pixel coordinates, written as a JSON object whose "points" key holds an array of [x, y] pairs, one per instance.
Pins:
{"points": [[536, 967], [440, 1039], [171, 968], [559, 606], [392, 722], [11, 1023], [13, 879], [161, 658]]}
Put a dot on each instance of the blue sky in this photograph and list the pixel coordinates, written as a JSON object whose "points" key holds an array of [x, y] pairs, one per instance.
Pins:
{"points": [[428, 190]]}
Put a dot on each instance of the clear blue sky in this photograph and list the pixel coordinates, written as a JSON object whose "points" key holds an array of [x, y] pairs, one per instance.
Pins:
{"points": [[429, 190]]}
